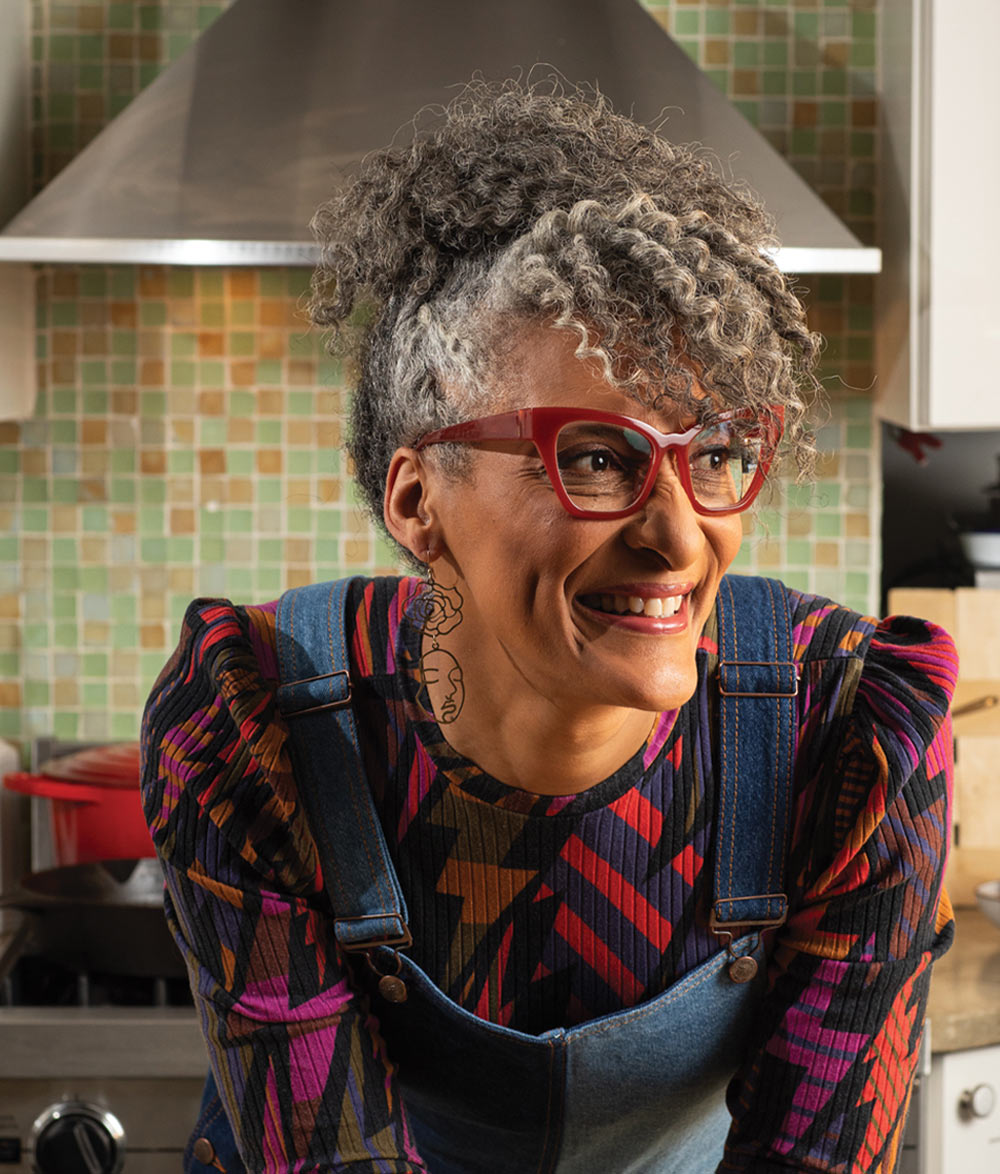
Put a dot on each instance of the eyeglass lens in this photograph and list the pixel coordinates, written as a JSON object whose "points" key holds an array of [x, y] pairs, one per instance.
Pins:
{"points": [[603, 466]]}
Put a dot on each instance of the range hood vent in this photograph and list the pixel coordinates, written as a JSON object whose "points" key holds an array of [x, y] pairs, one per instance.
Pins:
{"points": [[225, 156]]}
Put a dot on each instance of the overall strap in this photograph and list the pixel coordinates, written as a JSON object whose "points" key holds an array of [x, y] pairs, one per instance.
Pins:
{"points": [[758, 684], [314, 695]]}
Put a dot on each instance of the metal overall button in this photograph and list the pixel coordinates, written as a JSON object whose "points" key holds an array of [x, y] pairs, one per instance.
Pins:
{"points": [[742, 967], [204, 1151], [390, 986]]}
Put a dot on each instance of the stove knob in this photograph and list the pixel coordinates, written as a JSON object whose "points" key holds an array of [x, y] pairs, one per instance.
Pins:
{"points": [[77, 1138], [977, 1102]]}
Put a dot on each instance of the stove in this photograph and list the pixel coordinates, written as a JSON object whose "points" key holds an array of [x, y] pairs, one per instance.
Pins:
{"points": [[100, 1073], [99, 1090]]}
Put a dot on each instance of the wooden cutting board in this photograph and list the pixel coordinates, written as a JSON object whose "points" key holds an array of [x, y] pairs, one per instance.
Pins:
{"points": [[972, 616]]}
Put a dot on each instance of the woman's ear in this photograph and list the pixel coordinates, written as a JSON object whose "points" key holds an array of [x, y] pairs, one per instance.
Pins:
{"points": [[406, 507]]}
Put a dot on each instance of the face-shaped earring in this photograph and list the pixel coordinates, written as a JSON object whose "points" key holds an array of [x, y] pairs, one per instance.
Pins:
{"points": [[438, 666]]}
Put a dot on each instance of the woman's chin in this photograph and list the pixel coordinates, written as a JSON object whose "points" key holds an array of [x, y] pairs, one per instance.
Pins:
{"points": [[657, 694]]}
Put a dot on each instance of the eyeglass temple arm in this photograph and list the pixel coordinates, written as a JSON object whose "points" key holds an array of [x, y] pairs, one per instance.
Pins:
{"points": [[506, 426]]}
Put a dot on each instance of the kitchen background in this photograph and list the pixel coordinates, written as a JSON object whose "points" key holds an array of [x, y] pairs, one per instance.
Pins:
{"points": [[186, 436], [186, 440]]}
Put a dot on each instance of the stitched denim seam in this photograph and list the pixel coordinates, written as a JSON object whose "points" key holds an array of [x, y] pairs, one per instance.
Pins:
{"points": [[727, 629], [202, 1126], [771, 881], [321, 831], [362, 810], [553, 1160]]}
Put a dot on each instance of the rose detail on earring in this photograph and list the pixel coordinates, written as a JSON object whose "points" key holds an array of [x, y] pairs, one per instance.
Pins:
{"points": [[437, 609]]}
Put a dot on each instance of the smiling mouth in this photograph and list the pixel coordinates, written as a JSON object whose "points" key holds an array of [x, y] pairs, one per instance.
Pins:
{"points": [[621, 605]]}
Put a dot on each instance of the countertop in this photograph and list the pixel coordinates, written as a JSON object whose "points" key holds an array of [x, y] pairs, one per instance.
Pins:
{"points": [[964, 1007]]}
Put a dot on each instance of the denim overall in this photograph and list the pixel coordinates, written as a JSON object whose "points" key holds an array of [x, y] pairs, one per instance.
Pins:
{"points": [[640, 1091]]}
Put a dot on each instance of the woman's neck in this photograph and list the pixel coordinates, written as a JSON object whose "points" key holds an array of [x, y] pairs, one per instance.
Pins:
{"points": [[528, 742]]}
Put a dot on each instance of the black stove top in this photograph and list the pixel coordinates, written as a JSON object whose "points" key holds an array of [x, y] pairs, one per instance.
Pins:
{"points": [[38, 982]]}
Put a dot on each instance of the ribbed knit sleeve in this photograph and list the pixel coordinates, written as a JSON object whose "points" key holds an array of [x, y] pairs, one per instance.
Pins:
{"points": [[297, 1056], [827, 1082]]}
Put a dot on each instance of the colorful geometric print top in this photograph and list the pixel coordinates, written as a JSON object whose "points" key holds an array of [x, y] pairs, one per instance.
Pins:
{"points": [[537, 911]]}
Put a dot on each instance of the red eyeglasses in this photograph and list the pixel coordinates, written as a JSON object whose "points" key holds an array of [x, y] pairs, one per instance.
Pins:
{"points": [[603, 465]]}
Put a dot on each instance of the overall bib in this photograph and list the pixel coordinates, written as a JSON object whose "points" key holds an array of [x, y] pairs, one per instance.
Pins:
{"points": [[640, 1091]]}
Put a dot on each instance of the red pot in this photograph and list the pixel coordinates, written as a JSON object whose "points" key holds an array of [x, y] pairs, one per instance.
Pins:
{"points": [[94, 803]]}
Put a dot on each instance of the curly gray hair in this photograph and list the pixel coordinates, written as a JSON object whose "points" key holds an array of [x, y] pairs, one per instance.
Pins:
{"points": [[541, 204]]}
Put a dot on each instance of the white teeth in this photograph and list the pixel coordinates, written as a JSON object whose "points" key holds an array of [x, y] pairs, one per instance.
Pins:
{"points": [[656, 608]]}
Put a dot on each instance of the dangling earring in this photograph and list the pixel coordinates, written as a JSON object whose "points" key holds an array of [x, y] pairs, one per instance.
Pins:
{"points": [[438, 611]]}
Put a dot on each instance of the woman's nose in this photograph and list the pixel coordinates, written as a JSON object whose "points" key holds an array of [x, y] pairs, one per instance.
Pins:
{"points": [[667, 522]]}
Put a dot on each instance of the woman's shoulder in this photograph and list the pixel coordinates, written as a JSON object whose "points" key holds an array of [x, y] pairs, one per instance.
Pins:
{"points": [[874, 762], [214, 768], [214, 743], [880, 686], [234, 646], [833, 642], [225, 656], [822, 628], [912, 660], [875, 701]]}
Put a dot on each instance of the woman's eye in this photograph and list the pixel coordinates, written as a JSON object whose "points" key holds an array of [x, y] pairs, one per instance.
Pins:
{"points": [[711, 459], [596, 460]]}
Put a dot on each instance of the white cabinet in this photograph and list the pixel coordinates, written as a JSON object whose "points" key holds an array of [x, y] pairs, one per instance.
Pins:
{"points": [[939, 293], [960, 1113]]}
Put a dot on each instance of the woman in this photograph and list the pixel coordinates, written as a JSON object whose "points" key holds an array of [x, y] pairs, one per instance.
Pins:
{"points": [[597, 782]]}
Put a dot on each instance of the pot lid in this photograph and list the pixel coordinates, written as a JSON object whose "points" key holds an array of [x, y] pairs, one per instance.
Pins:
{"points": [[98, 766], [109, 883]]}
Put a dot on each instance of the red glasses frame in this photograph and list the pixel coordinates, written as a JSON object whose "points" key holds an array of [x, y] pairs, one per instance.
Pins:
{"points": [[541, 426]]}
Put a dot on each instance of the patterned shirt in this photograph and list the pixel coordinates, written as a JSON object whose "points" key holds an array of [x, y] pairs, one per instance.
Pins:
{"points": [[538, 911]]}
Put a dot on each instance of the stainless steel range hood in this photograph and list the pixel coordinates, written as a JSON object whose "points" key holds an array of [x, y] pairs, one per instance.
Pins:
{"points": [[225, 156]]}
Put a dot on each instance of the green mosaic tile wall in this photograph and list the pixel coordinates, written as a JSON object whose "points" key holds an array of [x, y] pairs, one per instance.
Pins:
{"points": [[186, 436]]}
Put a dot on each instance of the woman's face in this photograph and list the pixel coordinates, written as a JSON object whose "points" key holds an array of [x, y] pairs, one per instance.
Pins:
{"points": [[550, 601]]}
